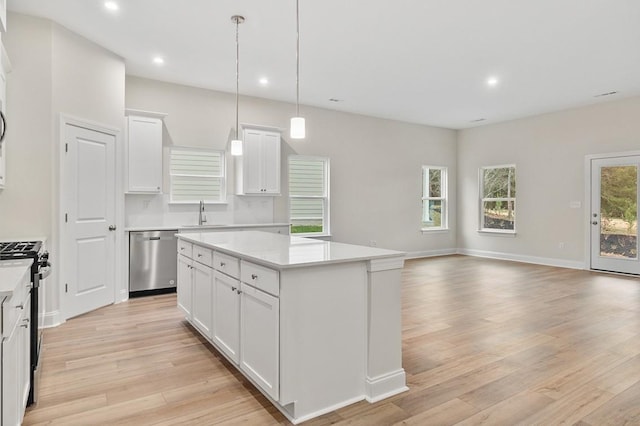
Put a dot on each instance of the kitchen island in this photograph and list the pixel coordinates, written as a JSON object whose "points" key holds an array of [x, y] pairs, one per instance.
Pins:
{"points": [[315, 325]]}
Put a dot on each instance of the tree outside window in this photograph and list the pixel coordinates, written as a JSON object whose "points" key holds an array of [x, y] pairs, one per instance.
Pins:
{"points": [[498, 205]]}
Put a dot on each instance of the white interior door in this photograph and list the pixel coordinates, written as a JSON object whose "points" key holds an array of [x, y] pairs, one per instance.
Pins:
{"points": [[614, 214], [89, 163]]}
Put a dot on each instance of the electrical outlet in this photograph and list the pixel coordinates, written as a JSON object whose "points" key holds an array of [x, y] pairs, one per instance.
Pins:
{"points": [[560, 245]]}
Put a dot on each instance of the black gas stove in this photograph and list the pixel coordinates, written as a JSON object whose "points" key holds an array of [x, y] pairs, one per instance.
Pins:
{"points": [[40, 269], [19, 249]]}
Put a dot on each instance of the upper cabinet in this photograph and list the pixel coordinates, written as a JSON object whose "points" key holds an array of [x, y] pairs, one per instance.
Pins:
{"points": [[258, 169], [144, 136], [3, 16]]}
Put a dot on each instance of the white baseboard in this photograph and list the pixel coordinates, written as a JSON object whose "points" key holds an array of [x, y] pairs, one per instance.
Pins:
{"points": [[430, 253], [547, 261], [381, 387], [52, 319]]}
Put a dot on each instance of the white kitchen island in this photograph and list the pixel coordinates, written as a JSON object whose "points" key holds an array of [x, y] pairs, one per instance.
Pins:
{"points": [[315, 325]]}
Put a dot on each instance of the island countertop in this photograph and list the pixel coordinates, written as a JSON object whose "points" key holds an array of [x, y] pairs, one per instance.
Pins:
{"points": [[284, 251]]}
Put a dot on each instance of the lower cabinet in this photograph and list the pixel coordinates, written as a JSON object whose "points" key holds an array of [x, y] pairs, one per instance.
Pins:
{"points": [[185, 285], [202, 293], [226, 315], [15, 355], [260, 338], [241, 320]]}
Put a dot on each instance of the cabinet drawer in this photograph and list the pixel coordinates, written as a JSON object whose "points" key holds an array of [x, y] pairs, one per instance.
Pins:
{"points": [[265, 279], [203, 255], [228, 264], [13, 308], [185, 248]]}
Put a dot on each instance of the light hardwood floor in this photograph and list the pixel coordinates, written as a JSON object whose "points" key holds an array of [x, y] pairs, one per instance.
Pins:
{"points": [[484, 342]]}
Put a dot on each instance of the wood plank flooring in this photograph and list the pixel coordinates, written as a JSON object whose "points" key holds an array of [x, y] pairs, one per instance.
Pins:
{"points": [[484, 342]]}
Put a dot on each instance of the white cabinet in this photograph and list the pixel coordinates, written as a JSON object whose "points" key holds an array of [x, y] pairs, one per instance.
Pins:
{"points": [[185, 285], [226, 315], [258, 169], [144, 139], [202, 294], [260, 338], [228, 302], [15, 363]]}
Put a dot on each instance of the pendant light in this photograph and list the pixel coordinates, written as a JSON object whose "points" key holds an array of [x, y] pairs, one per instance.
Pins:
{"points": [[236, 144], [297, 122]]}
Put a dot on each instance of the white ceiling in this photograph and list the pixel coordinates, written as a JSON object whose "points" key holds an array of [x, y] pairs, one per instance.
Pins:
{"points": [[420, 61]]}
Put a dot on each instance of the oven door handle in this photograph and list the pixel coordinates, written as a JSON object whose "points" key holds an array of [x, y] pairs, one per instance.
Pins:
{"points": [[45, 271]]}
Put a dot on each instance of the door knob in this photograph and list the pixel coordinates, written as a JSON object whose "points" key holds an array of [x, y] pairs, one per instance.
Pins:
{"points": [[112, 227]]}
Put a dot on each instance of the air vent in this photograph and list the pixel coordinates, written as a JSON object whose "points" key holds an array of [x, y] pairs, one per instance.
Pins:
{"points": [[477, 120], [605, 94]]}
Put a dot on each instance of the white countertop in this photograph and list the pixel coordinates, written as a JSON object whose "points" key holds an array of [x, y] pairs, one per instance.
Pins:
{"points": [[284, 251], [194, 227], [11, 274]]}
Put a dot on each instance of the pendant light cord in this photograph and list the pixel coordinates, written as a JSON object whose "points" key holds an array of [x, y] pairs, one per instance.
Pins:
{"points": [[297, 58], [237, 74]]}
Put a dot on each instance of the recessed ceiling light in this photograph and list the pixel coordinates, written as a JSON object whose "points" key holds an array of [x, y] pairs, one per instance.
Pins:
{"points": [[111, 5], [263, 81], [158, 60], [492, 81]]}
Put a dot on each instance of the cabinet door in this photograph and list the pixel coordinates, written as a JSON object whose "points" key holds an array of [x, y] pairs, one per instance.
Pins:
{"points": [[145, 154], [24, 357], [202, 293], [3, 88], [11, 378], [260, 338], [252, 162], [226, 315], [185, 283], [271, 162]]}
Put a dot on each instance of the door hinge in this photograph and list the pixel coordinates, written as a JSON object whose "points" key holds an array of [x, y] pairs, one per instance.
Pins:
{"points": [[66, 288], [66, 147], [66, 217]]}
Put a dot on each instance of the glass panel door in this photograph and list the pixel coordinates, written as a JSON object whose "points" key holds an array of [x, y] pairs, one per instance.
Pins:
{"points": [[614, 214]]}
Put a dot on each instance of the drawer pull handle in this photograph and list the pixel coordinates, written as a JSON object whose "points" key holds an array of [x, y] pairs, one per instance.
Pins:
{"points": [[199, 255], [222, 264], [20, 306], [181, 248], [233, 288], [24, 325], [254, 276], [238, 291]]}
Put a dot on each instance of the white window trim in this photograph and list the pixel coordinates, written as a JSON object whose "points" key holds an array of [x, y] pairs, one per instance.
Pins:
{"points": [[326, 219], [223, 177], [444, 190], [481, 228]]}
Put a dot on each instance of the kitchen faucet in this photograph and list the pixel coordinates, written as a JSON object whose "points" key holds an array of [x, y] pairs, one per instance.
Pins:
{"points": [[202, 218]]}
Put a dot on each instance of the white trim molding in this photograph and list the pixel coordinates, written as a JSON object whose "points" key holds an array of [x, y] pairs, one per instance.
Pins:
{"points": [[547, 261], [382, 387], [430, 253]]}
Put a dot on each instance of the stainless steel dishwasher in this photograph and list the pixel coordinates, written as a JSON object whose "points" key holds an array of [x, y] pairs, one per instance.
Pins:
{"points": [[152, 262]]}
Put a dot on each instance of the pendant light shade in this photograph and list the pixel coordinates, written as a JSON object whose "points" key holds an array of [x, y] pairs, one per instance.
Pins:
{"points": [[298, 130], [236, 144]]}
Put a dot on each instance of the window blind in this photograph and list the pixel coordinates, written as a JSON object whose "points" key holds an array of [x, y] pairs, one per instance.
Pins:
{"points": [[197, 175]]}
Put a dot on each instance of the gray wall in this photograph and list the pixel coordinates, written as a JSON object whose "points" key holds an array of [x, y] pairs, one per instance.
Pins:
{"points": [[376, 164], [549, 152]]}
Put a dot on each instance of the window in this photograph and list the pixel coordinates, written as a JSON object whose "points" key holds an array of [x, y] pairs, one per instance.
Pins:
{"points": [[309, 195], [197, 174], [498, 205], [434, 198]]}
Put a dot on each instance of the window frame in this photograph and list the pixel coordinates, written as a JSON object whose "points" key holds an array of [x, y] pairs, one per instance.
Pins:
{"points": [[481, 224], [444, 199], [222, 176], [326, 230]]}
